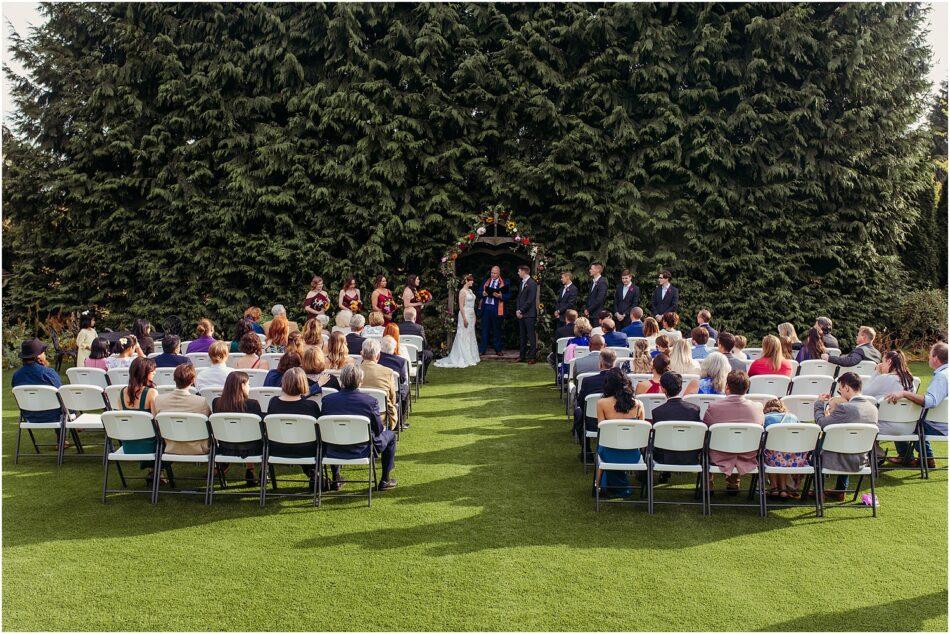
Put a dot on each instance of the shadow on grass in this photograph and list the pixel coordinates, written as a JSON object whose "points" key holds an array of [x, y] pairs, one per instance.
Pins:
{"points": [[913, 612]]}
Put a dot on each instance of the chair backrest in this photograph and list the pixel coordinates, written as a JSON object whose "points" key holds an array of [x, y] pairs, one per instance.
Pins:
{"points": [[792, 437], [580, 350], [165, 389], [263, 395], [863, 368], [291, 429], [649, 401], [817, 367], [228, 427], [636, 378], [324, 392], [83, 398], [118, 376], [232, 358], [753, 353], [632, 342], [409, 352], [774, 384], [88, 376], [687, 378], [866, 398], [833, 352], [199, 359], [344, 429], [735, 437], [152, 355], [802, 406], [36, 398], [623, 434], [622, 353], [850, 438], [182, 426], [562, 344], [412, 340], [211, 393], [916, 386], [255, 377], [164, 376], [183, 348], [378, 394], [579, 379], [679, 435], [590, 404], [272, 358], [761, 399], [903, 411], [937, 414], [357, 359], [158, 347], [812, 384], [794, 365], [114, 394], [703, 401], [128, 424]]}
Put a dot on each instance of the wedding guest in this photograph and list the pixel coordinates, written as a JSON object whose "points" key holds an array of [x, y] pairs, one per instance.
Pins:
{"points": [[317, 301], [98, 354], [813, 347], [824, 325], [665, 296], [566, 329], [626, 297], [699, 336], [659, 365], [725, 344], [350, 401], [342, 321], [205, 332], [355, 340], [566, 299], [782, 485], [235, 399], [140, 395], [338, 354], [581, 338], [410, 325], [735, 408], [864, 351], [590, 362], [891, 375], [382, 298], [375, 327], [36, 371], [392, 330], [295, 343], [84, 338], [848, 410], [591, 385], [127, 350], [241, 328], [675, 408], [278, 334], [274, 376], [597, 295], [278, 310], [670, 321], [350, 298], [787, 329], [181, 400], [936, 394], [215, 375], [738, 349], [312, 335], [651, 330], [702, 321], [617, 403], [611, 336], [635, 324], [170, 356], [253, 349], [598, 329], [772, 360], [642, 362], [786, 345], [314, 364], [713, 372], [254, 314], [142, 331], [681, 359], [410, 296], [293, 400], [380, 377], [662, 346], [389, 359]]}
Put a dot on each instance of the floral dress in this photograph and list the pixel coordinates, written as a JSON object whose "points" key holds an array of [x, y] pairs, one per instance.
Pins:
{"points": [[784, 458]]}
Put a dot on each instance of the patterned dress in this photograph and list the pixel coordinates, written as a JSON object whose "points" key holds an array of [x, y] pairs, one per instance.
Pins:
{"points": [[784, 458]]}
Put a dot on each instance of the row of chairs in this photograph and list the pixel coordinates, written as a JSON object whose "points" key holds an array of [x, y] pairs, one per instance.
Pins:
{"points": [[751, 353]]}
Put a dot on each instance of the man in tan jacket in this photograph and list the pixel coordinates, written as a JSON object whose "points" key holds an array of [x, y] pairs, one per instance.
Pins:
{"points": [[181, 400], [380, 377]]}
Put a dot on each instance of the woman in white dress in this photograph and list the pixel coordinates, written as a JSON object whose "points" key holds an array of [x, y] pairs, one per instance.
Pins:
{"points": [[465, 347]]}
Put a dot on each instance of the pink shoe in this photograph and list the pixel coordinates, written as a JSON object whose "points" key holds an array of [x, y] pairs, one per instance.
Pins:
{"points": [[869, 500]]}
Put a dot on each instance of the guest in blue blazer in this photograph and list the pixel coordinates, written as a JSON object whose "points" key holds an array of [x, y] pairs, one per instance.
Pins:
{"points": [[611, 336], [351, 402]]}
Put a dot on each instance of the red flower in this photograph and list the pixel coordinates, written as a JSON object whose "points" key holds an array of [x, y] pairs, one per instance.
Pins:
{"points": [[525, 241], [471, 236]]}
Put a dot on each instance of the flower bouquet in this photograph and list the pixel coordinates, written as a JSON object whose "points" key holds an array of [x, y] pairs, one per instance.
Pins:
{"points": [[355, 306], [422, 296], [386, 305], [319, 302]]}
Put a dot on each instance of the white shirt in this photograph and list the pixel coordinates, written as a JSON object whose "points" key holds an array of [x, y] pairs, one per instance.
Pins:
{"points": [[564, 290], [624, 293], [663, 290], [213, 376], [594, 283]]}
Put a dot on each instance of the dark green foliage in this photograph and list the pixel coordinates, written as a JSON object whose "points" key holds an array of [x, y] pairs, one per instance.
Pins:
{"points": [[197, 158]]}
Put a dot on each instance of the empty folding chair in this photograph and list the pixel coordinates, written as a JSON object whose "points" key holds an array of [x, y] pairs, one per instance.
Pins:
{"points": [[817, 367], [774, 384], [347, 432], [88, 376], [263, 395], [621, 435], [164, 376], [900, 422], [863, 369], [649, 401], [802, 406], [933, 422], [790, 438], [289, 429], [590, 411], [125, 426], [677, 436], [211, 393], [228, 430], [183, 427], [255, 378], [812, 384], [233, 358], [84, 405], [272, 358], [854, 439], [733, 438], [114, 395], [38, 405], [703, 401], [199, 359], [118, 376]]}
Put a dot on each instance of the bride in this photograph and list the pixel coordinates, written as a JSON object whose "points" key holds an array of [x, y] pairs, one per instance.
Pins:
{"points": [[465, 348]]}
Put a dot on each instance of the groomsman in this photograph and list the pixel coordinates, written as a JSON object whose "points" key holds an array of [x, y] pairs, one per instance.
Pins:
{"points": [[626, 297], [494, 294], [666, 297], [567, 298], [598, 293], [527, 313]]}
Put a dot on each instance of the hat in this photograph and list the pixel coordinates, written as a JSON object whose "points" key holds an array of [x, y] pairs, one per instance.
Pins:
{"points": [[32, 348]]}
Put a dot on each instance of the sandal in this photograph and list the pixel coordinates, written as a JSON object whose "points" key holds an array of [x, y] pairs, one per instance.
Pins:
{"points": [[792, 494], [773, 493]]}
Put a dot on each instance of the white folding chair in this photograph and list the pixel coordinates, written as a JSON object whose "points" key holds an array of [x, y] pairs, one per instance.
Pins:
{"points": [[833, 352], [649, 401], [272, 358], [381, 397], [774, 384], [621, 435], [412, 340], [903, 420], [733, 438], [158, 347], [234, 428], [326, 391], [289, 429], [677, 436], [790, 438], [812, 385], [263, 395], [802, 406], [165, 389], [864, 369], [38, 398], [114, 395], [232, 358], [152, 355], [636, 378], [124, 426], [816, 367], [183, 348], [622, 353], [357, 359], [703, 401], [164, 376], [412, 355], [118, 376], [88, 376], [761, 399], [84, 405], [935, 416], [347, 431], [849, 438], [199, 359], [573, 389], [590, 411], [753, 353], [794, 365], [632, 342], [183, 427], [211, 393], [686, 378], [255, 377]]}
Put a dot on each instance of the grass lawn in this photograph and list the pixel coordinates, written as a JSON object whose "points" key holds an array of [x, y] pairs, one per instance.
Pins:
{"points": [[492, 527]]}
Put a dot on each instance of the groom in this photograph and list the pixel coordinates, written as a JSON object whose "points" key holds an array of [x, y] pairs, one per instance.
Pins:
{"points": [[527, 314], [492, 308]]}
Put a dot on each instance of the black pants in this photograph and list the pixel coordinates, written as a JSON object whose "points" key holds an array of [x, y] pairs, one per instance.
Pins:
{"points": [[527, 338]]}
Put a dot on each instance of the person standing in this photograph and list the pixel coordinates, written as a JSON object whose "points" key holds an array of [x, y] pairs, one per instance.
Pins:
{"points": [[527, 314], [495, 292], [317, 300], [87, 334], [566, 300], [410, 298], [598, 293], [626, 297], [666, 297]]}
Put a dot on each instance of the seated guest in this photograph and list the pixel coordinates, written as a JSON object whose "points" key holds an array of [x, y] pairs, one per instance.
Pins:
{"points": [[787, 330], [294, 343], [670, 321], [355, 340], [864, 351], [314, 364], [782, 485], [99, 352], [890, 375], [823, 324], [181, 400], [772, 361], [219, 370], [252, 348], [936, 394], [293, 400], [651, 330], [235, 399], [675, 408], [254, 314], [312, 336], [725, 344], [241, 328], [350, 401], [375, 326], [396, 363], [847, 410], [617, 403], [127, 350], [342, 321], [812, 348], [142, 331], [392, 330], [591, 385], [735, 408], [660, 364], [702, 321], [36, 371], [635, 328], [582, 333], [738, 349], [275, 376], [379, 377], [205, 331], [590, 362], [408, 326], [278, 310], [681, 359], [642, 361], [699, 336], [713, 371], [338, 354], [786, 344], [611, 336], [278, 334], [140, 395], [170, 356], [662, 346]]}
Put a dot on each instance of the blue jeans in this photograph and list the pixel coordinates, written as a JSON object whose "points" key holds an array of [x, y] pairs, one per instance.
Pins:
{"points": [[906, 449]]}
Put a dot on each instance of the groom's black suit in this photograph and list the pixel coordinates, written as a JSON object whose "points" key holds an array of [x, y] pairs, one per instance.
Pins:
{"points": [[528, 306]]}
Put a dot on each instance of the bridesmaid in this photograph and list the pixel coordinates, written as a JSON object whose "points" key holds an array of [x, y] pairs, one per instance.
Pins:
{"points": [[349, 294], [382, 299], [409, 296], [317, 301]]}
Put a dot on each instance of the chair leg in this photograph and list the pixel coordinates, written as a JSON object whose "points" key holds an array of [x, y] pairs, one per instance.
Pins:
{"points": [[75, 436], [264, 471], [873, 496], [209, 482], [857, 488], [156, 478], [36, 447], [118, 467], [16, 454], [763, 502], [105, 477]]}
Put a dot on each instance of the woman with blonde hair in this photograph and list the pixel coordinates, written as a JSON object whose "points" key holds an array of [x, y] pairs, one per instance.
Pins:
{"points": [[205, 339], [277, 335], [312, 334], [681, 358], [651, 331], [788, 330], [314, 364], [641, 363], [375, 325], [295, 343], [338, 354], [582, 332], [712, 376], [341, 323], [254, 314], [773, 359]]}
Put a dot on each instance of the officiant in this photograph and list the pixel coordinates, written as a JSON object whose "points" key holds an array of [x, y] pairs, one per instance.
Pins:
{"points": [[494, 293]]}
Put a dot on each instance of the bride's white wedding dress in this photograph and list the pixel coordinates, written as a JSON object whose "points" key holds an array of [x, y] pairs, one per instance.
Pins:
{"points": [[465, 347]]}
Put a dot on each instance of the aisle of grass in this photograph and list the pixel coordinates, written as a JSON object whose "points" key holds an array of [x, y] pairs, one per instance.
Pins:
{"points": [[491, 528]]}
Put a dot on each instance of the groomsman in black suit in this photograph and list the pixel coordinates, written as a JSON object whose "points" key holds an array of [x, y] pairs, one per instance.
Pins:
{"points": [[527, 314], [567, 298], [626, 297], [666, 297], [598, 293]]}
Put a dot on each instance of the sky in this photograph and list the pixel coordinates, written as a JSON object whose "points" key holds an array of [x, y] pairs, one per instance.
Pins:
{"points": [[21, 15]]}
